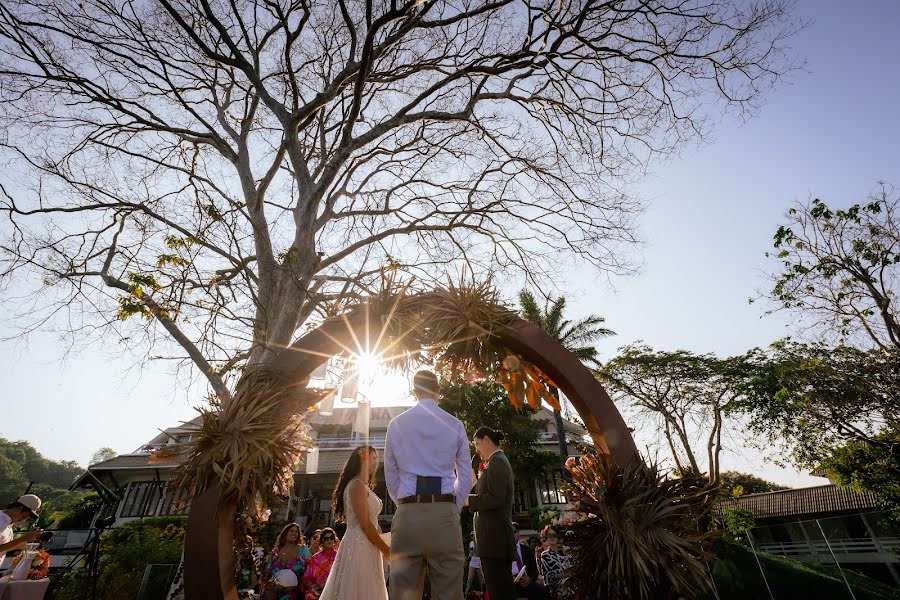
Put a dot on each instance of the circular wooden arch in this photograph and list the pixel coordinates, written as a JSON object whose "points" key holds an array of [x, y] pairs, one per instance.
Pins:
{"points": [[208, 560]]}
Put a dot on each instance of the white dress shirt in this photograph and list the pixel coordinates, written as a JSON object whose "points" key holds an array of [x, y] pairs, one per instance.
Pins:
{"points": [[426, 441]]}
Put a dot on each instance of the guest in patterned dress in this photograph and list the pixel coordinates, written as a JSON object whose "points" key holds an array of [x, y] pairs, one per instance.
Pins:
{"points": [[290, 552], [554, 564], [320, 565]]}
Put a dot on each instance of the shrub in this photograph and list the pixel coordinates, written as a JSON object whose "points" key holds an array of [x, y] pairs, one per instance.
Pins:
{"points": [[539, 517], [734, 522], [125, 552], [639, 534]]}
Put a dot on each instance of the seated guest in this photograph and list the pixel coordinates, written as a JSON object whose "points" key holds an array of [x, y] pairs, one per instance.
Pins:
{"points": [[290, 552], [314, 545], [474, 569], [554, 564], [246, 569], [527, 586], [320, 565]]}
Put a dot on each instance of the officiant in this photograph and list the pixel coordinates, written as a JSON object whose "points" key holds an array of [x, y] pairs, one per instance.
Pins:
{"points": [[492, 503]]}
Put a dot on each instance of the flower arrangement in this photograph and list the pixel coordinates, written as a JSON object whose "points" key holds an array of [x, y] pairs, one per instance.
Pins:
{"points": [[40, 564]]}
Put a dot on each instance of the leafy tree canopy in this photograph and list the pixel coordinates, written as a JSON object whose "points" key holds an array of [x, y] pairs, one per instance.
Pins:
{"points": [[810, 398], [839, 269], [486, 404], [21, 463], [737, 484], [685, 393], [867, 466], [102, 454]]}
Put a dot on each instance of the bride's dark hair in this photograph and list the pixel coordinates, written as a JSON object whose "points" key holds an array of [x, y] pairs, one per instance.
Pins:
{"points": [[351, 469]]}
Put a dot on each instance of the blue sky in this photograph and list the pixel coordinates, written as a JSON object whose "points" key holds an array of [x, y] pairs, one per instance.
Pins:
{"points": [[831, 132]]}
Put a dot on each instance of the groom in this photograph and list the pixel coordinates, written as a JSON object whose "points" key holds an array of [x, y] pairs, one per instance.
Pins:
{"points": [[427, 465]]}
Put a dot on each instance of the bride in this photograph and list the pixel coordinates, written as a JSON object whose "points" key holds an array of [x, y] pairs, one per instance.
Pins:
{"points": [[358, 571]]}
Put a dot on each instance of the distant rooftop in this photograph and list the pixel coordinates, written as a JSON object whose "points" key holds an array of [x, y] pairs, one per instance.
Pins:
{"points": [[819, 500]]}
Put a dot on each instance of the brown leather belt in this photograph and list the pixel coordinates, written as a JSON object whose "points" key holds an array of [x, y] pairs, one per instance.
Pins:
{"points": [[429, 499]]}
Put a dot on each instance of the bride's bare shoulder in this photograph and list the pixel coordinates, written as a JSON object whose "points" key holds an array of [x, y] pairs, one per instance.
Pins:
{"points": [[356, 486]]}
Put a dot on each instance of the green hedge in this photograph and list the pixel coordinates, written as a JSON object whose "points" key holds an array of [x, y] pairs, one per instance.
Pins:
{"points": [[737, 577], [125, 553]]}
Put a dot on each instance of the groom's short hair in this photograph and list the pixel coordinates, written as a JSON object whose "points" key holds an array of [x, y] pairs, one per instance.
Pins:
{"points": [[425, 383]]}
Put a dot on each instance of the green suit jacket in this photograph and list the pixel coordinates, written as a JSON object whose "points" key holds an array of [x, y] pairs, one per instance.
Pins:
{"points": [[492, 504]]}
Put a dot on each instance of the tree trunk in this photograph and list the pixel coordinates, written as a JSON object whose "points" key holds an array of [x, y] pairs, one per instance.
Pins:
{"points": [[560, 427]]}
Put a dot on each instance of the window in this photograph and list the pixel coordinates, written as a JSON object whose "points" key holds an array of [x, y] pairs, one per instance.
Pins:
{"points": [[141, 499], [550, 489], [174, 503], [525, 498]]}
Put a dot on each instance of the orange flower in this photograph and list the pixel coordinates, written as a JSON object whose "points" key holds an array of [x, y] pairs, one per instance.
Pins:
{"points": [[40, 564]]}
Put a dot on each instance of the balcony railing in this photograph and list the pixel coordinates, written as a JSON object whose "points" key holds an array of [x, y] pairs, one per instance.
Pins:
{"points": [[838, 546], [341, 443]]}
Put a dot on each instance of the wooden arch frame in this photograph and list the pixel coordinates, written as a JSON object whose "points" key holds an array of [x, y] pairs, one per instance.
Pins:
{"points": [[208, 559]]}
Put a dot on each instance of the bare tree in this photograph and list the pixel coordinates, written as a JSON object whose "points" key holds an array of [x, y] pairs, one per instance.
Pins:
{"points": [[691, 396], [838, 269], [223, 170]]}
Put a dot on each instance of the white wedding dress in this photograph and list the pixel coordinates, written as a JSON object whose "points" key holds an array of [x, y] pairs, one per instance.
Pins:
{"points": [[358, 570]]}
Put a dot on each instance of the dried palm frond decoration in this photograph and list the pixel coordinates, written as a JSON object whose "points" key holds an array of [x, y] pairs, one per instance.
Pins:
{"points": [[460, 325], [461, 322], [251, 445], [638, 535]]}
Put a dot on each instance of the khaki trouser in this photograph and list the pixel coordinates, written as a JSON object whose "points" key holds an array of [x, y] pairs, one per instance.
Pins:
{"points": [[427, 534]]}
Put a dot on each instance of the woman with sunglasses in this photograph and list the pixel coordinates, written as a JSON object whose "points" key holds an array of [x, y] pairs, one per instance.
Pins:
{"points": [[554, 564], [319, 566]]}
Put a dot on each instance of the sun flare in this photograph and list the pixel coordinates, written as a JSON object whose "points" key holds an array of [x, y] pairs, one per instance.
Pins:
{"points": [[368, 366]]}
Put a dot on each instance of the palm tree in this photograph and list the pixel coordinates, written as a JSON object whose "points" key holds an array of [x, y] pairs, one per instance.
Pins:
{"points": [[576, 337]]}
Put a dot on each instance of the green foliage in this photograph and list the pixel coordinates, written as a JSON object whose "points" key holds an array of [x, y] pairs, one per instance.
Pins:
{"points": [[734, 483], [838, 269], [487, 404], [56, 504], [577, 337], [79, 514], [680, 389], [103, 454], [734, 523], [869, 466], [737, 577], [811, 398], [125, 553], [539, 517], [12, 480], [21, 463]]}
